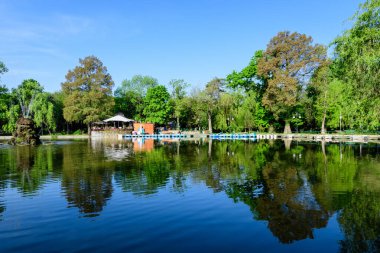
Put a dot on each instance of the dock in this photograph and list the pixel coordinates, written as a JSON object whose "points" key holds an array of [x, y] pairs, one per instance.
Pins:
{"points": [[152, 136]]}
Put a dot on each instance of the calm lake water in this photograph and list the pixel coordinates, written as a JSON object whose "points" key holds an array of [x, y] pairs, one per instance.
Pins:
{"points": [[220, 196]]}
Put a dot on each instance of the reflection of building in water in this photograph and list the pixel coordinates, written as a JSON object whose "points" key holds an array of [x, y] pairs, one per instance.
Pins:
{"points": [[142, 144], [113, 149]]}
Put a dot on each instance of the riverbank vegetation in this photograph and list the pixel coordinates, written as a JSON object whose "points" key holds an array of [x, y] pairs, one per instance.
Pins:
{"points": [[292, 85]]}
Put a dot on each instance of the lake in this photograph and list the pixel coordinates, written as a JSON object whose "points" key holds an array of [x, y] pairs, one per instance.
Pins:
{"points": [[190, 196]]}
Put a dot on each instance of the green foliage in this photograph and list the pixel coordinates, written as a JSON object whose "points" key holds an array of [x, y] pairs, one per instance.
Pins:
{"points": [[247, 78], [77, 132], [88, 92], [57, 99], [178, 88], [129, 96], [26, 94], [4, 102], [138, 84], [28, 100], [43, 111], [287, 62], [12, 116], [357, 63], [156, 105]]}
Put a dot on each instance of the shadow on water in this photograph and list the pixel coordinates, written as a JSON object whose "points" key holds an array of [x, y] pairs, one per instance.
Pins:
{"points": [[294, 187]]}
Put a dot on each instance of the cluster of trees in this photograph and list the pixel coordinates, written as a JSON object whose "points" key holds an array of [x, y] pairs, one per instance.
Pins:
{"points": [[290, 84]]}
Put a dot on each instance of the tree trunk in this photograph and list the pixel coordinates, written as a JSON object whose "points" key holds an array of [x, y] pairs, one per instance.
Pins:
{"points": [[89, 129], [177, 123], [271, 129], [288, 144], [209, 148], [287, 129], [323, 129], [209, 123]]}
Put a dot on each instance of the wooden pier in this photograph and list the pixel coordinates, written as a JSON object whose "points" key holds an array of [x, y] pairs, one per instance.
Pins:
{"points": [[152, 136]]}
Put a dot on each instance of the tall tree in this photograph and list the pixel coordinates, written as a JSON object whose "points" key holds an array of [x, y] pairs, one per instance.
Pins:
{"points": [[156, 105], [357, 64], [88, 92], [178, 92], [211, 97], [288, 62]]}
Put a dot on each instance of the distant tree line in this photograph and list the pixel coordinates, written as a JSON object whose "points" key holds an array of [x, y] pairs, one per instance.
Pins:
{"points": [[291, 85]]}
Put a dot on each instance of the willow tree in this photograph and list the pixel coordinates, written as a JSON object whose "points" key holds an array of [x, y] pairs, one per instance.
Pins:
{"points": [[88, 92], [21, 101], [287, 63], [357, 63]]}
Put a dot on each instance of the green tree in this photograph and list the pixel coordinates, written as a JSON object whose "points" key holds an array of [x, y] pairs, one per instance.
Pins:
{"points": [[157, 108], [4, 96], [211, 97], [4, 103], [357, 64], [329, 98], [26, 94], [226, 112], [199, 102], [178, 89], [251, 114], [288, 62], [88, 92], [129, 96], [138, 83], [248, 77], [57, 99], [33, 103], [43, 112]]}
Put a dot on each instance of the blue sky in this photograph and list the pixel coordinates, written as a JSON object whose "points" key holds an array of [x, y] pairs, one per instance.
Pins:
{"points": [[191, 40]]}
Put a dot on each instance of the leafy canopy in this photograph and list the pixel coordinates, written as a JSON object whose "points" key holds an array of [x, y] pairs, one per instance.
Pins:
{"points": [[287, 63], [88, 92], [157, 109]]}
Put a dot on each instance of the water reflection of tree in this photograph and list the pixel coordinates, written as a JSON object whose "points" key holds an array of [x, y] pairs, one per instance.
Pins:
{"points": [[282, 196], [288, 203], [27, 168], [360, 216], [145, 172], [86, 178]]}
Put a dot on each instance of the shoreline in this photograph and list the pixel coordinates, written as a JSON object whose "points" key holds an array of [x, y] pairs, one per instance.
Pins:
{"points": [[360, 138]]}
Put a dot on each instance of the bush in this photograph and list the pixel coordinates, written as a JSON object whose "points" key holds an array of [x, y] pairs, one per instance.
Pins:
{"points": [[77, 132]]}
